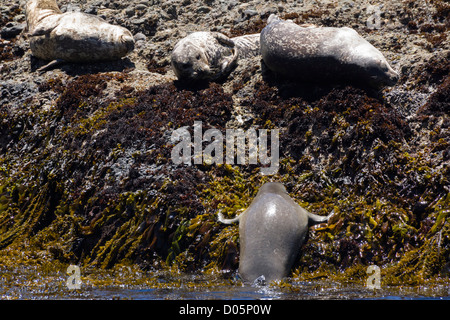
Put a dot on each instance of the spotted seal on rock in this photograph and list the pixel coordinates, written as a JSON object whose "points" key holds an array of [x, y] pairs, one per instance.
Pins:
{"points": [[271, 232], [73, 36], [210, 55], [323, 54]]}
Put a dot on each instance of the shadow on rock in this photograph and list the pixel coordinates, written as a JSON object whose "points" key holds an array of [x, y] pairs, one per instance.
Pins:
{"points": [[78, 69], [313, 89]]}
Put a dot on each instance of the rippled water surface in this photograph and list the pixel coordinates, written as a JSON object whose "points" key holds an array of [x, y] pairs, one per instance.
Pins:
{"points": [[29, 283]]}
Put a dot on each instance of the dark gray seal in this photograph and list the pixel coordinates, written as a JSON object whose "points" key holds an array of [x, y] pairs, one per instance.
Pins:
{"points": [[271, 232], [323, 54], [74, 36], [210, 55]]}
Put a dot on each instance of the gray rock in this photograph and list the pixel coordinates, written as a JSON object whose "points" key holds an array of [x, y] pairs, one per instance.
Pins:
{"points": [[250, 12], [203, 9], [141, 6], [91, 10], [130, 11], [12, 30], [265, 13], [140, 37]]}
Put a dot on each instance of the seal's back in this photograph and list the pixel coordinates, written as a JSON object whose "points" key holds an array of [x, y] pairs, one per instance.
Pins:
{"points": [[271, 233]]}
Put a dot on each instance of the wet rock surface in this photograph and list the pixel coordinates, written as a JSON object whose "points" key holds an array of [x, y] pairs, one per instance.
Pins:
{"points": [[86, 174]]}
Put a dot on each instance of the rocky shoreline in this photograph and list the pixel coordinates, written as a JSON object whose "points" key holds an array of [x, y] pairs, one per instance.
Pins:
{"points": [[85, 169]]}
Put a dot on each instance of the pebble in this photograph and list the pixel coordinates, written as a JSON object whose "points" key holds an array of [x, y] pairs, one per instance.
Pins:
{"points": [[138, 21]]}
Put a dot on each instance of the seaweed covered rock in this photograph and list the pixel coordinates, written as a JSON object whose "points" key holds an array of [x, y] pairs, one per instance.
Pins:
{"points": [[105, 162], [86, 174]]}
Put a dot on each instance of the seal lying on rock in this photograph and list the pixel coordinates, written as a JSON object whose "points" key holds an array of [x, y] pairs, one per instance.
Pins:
{"points": [[323, 54], [74, 36], [210, 55], [271, 232]]}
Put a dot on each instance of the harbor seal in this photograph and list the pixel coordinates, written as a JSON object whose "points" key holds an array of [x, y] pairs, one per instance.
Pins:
{"points": [[73, 36], [323, 54], [210, 55], [271, 232]]}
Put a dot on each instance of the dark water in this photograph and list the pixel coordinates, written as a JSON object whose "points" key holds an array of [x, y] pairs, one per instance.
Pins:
{"points": [[270, 293], [35, 283]]}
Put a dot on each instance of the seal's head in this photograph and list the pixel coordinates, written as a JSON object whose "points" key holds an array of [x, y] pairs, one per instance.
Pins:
{"points": [[189, 61], [381, 73], [203, 56], [363, 54], [375, 64], [125, 38]]}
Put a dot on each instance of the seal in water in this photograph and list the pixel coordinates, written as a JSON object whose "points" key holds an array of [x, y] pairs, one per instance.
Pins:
{"points": [[271, 232], [210, 55], [323, 54], [74, 36]]}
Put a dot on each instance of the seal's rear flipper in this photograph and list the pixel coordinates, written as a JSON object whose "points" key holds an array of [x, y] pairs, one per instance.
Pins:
{"points": [[51, 65], [314, 219], [248, 45]]}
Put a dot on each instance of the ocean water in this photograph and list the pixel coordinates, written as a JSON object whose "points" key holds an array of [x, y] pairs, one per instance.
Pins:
{"points": [[34, 284]]}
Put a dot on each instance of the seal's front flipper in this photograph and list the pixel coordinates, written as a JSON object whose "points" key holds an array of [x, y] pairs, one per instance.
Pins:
{"points": [[223, 39], [230, 60], [51, 65], [228, 221], [314, 219]]}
